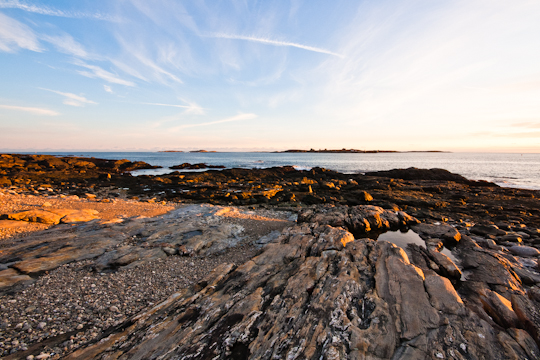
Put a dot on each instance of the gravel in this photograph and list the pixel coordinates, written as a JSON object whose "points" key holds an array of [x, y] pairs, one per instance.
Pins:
{"points": [[78, 303]]}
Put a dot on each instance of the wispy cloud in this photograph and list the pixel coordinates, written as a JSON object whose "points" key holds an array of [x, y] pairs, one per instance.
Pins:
{"points": [[97, 72], [45, 10], [273, 42], [240, 117], [72, 99], [33, 110], [191, 108], [142, 55], [15, 35], [108, 89], [66, 44]]}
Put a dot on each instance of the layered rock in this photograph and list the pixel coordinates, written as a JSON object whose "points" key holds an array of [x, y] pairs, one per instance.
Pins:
{"points": [[188, 231], [357, 219], [317, 293]]}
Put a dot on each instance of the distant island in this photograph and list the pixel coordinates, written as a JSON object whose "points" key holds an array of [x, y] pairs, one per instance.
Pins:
{"points": [[171, 151], [353, 151], [202, 151]]}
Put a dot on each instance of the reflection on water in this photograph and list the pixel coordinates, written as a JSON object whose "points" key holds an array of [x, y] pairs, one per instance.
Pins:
{"points": [[402, 238]]}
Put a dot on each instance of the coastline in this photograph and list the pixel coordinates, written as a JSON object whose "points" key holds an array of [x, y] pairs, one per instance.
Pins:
{"points": [[238, 220]]}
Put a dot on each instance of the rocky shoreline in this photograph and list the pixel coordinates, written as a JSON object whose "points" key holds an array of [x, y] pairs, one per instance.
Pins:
{"points": [[266, 263]]}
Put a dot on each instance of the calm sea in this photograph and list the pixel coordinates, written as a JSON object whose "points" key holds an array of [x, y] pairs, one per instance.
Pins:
{"points": [[511, 170]]}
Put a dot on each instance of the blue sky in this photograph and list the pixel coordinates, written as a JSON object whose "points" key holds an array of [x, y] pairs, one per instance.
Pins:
{"points": [[270, 75]]}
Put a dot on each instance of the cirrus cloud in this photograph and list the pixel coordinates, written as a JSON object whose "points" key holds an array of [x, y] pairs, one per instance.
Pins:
{"points": [[33, 110]]}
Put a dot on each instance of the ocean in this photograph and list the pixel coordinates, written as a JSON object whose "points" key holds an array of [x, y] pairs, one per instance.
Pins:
{"points": [[505, 169]]}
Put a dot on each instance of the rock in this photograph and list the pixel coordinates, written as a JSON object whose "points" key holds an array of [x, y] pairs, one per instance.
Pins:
{"points": [[169, 250], [420, 174], [12, 224], [448, 234], [511, 238], [10, 277], [485, 230], [528, 315], [525, 341], [41, 216], [524, 251], [357, 219], [365, 196], [402, 284], [311, 294], [4, 181], [447, 267], [80, 216], [443, 296], [500, 309]]}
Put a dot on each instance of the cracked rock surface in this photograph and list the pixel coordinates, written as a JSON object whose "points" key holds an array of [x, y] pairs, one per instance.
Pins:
{"points": [[316, 293]]}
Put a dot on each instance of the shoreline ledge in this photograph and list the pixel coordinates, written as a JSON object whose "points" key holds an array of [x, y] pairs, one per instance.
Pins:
{"points": [[263, 263]]}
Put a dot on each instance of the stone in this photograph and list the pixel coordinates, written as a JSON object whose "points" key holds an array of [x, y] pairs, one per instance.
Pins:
{"points": [[10, 277], [401, 284], [511, 238], [524, 251], [500, 309], [443, 296], [525, 341], [41, 216], [528, 314], [448, 234], [485, 230], [447, 266]]}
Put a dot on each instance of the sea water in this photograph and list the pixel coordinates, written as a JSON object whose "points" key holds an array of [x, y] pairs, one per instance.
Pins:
{"points": [[505, 169]]}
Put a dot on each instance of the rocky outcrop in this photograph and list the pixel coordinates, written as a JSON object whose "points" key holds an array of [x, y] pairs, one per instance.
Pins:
{"points": [[197, 230], [357, 219], [53, 216], [413, 173], [315, 293], [196, 166]]}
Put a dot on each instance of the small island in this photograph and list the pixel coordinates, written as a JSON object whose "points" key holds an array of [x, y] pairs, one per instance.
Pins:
{"points": [[340, 151]]}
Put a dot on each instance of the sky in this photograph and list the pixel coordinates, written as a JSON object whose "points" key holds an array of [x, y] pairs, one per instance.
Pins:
{"points": [[128, 75]]}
